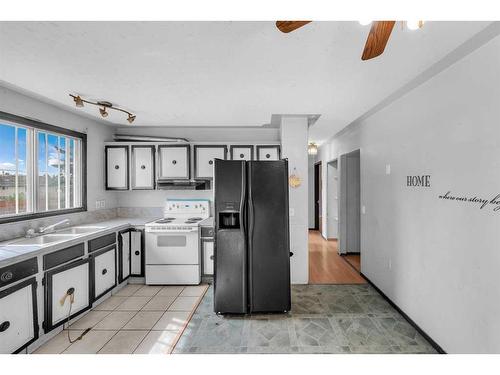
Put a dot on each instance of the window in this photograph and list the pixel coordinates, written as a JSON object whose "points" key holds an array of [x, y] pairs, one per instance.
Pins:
{"points": [[41, 169]]}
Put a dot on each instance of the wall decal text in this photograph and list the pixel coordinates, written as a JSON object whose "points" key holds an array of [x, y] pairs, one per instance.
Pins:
{"points": [[419, 181], [479, 201]]}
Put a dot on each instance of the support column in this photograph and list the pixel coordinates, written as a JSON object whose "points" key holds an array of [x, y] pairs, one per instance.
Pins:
{"points": [[294, 136]]}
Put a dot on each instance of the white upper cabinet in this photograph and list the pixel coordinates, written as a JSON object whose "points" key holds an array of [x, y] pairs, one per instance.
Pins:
{"points": [[271, 152], [204, 159], [242, 152], [174, 162], [143, 167], [116, 167]]}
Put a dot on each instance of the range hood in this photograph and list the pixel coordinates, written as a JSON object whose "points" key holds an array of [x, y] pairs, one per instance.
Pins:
{"points": [[167, 184]]}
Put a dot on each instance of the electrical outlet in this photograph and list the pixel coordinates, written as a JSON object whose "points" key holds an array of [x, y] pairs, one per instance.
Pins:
{"points": [[292, 212], [97, 205], [103, 204], [387, 169]]}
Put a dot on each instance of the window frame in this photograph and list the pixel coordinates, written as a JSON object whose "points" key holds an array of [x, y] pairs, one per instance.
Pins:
{"points": [[44, 127]]}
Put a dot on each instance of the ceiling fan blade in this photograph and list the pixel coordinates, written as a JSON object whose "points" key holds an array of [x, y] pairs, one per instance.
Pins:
{"points": [[287, 26], [377, 39]]}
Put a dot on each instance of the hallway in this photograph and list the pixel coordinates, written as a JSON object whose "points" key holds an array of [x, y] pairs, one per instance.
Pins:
{"points": [[326, 266]]}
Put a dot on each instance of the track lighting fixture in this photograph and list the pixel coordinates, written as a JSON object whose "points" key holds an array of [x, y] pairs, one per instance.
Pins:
{"points": [[103, 107], [414, 25]]}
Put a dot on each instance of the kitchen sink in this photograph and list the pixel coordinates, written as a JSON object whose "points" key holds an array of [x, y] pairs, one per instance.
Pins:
{"points": [[79, 230], [44, 240]]}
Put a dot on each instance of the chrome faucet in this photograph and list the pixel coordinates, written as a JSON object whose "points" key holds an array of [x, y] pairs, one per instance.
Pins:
{"points": [[51, 228]]}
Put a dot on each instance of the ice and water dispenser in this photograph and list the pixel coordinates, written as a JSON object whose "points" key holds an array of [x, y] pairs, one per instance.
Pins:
{"points": [[229, 216]]}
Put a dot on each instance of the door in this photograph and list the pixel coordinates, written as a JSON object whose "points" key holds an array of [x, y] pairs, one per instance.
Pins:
{"points": [[116, 167], [204, 160], [317, 197], [350, 200], [268, 236], [241, 152], [104, 266], [268, 153], [136, 253], [18, 317], [60, 284], [123, 255], [208, 257], [174, 162], [143, 167]]}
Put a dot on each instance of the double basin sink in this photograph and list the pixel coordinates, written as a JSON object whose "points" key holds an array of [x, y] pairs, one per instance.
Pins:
{"points": [[57, 236]]}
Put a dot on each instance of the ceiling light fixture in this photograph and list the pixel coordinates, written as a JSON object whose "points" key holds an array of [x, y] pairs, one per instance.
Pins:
{"points": [[104, 106], [364, 23], [312, 148], [414, 25]]}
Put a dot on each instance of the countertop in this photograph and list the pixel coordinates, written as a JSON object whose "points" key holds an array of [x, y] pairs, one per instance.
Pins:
{"points": [[208, 222], [10, 252]]}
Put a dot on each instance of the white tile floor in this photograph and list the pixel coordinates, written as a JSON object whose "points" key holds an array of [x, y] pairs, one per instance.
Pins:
{"points": [[139, 319]]}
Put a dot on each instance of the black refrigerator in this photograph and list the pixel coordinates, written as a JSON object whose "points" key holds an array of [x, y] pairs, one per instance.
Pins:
{"points": [[252, 245]]}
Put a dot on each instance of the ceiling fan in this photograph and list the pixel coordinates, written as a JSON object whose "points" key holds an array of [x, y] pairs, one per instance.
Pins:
{"points": [[375, 43]]}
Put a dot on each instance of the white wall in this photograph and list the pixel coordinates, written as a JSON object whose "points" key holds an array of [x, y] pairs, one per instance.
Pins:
{"points": [[97, 133], [294, 132], [437, 260]]}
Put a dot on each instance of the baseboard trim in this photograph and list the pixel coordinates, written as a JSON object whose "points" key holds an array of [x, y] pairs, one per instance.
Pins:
{"points": [[434, 344]]}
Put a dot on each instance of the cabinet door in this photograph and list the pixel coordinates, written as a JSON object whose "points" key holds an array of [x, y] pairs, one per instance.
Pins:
{"points": [[208, 257], [117, 167], [268, 153], [242, 152], [59, 283], [174, 162], [136, 253], [18, 317], [143, 167], [104, 266], [124, 255], [204, 159]]}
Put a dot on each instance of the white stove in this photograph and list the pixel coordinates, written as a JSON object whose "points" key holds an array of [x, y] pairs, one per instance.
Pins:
{"points": [[173, 245]]}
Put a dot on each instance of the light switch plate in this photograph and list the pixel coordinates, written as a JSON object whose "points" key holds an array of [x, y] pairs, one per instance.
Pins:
{"points": [[387, 169], [363, 210], [292, 212]]}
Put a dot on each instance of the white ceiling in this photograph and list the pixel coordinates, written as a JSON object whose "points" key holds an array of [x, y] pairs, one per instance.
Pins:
{"points": [[220, 73]]}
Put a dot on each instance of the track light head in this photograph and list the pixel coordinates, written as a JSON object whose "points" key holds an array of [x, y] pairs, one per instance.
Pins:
{"points": [[78, 101], [103, 112], [131, 118]]}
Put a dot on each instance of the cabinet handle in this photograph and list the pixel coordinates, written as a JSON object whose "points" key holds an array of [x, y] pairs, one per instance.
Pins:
{"points": [[4, 326], [291, 254], [210, 162], [104, 271], [137, 252], [268, 156], [242, 156], [143, 167], [211, 257], [174, 162], [117, 167], [6, 276]]}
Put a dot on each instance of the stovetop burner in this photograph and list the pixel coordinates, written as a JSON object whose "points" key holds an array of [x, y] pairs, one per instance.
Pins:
{"points": [[165, 220], [195, 218]]}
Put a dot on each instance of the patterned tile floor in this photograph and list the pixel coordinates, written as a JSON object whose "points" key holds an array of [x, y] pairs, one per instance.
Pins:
{"points": [[324, 319]]}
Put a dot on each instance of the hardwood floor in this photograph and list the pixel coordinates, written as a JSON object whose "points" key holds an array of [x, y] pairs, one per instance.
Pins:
{"points": [[326, 266], [354, 260]]}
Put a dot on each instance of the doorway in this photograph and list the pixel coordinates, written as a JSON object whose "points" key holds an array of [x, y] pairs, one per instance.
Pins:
{"points": [[317, 196]]}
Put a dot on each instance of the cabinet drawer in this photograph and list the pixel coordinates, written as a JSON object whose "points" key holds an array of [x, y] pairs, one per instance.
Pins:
{"points": [[208, 257], [174, 162], [103, 241], [58, 282], [207, 232], [204, 160], [18, 271], [62, 256], [268, 152], [18, 317], [143, 167], [104, 270], [116, 167]]}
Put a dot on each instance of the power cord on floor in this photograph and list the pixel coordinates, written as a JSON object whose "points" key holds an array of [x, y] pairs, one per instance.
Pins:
{"points": [[71, 294]]}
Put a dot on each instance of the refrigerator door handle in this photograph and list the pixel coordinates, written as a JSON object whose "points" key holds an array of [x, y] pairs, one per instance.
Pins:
{"points": [[242, 199]]}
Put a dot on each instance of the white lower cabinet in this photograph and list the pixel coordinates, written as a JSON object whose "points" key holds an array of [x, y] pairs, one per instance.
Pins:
{"points": [[66, 287], [104, 267], [123, 255], [136, 253], [18, 317], [208, 257]]}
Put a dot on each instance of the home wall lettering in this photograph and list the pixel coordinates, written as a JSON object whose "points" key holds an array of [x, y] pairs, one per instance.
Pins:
{"points": [[418, 181], [480, 202]]}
